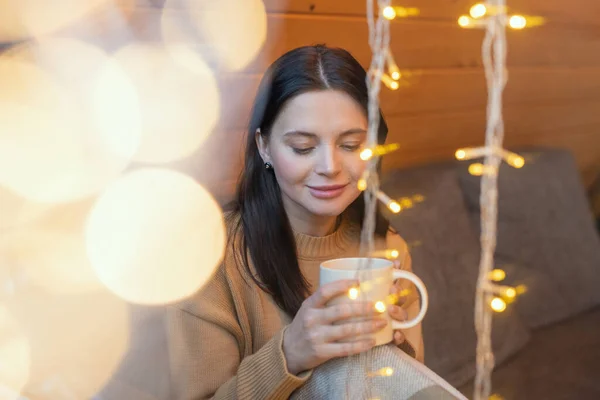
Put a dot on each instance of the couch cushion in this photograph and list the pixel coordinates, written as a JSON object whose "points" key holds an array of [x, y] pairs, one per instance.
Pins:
{"points": [[447, 260], [560, 362], [545, 234]]}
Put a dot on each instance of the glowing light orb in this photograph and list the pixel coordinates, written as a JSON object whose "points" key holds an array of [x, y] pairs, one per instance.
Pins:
{"points": [[155, 236], [70, 127], [236, 29], [179, 106]]}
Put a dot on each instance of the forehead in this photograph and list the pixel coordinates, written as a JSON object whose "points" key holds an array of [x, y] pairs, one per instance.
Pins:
{"points": [[321, 112]]}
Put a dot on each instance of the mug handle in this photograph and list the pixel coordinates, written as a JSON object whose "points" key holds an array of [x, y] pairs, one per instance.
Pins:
{"points": [[401, 274]]}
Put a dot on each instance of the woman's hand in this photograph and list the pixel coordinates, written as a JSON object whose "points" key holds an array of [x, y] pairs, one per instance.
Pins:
{"points": [[312, 338]]}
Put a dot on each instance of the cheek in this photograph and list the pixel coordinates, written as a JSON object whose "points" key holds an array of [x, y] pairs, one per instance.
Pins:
{"points": [[355, 167], [290, 169]]}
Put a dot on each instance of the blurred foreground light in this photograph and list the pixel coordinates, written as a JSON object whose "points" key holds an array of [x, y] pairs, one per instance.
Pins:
{"points": [[478, 10], [77, 342], [236, 29], [155, 236], [179, 106], [51, 250], [22, 19], [69, 127], [497, 304], [14, 357]]}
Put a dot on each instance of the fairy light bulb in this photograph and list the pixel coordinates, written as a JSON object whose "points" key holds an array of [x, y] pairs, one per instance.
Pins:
{"points": [[389, 82], [515, 160], [394, 254], [389, 13], [380, 306], [476, 169], [464, 21], [511, 293], [497, 275], [396, 75], [394, 207], [498, 304], [478, 10], [388, 371], [460, 154], [353, 293], [366, 154], [517, 22], [362, 185]]}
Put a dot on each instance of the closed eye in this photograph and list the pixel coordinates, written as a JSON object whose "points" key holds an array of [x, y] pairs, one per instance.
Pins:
{"points": [[303, 150]]}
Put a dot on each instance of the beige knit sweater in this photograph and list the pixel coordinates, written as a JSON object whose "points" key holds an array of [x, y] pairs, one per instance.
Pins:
{"points": [[226, 341]]}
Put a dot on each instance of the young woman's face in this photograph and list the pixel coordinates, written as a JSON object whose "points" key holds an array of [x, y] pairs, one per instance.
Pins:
{"points": [[314, 148]]}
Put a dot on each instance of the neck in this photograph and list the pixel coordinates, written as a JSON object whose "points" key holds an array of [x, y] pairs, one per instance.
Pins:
{"points": [[310, 224]]}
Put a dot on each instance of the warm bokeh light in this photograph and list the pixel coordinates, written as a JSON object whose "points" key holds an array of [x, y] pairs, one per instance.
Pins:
{"points": [[497, 275], [476, 169], [515, 160], [393, 254], [389, 13], [17, 210], [478, 10], [51, 250], [179, 106], [14, 357], [353, 294], [510, 293], [21, 19], [517, 22], [155, 236], [464, 21], [388, 371], [366, 154], [69, 127], [77, 342], [389, 82], [235, 29], [460, 154], [362, 185], [497, 304], [380, 306], [394, 207]]}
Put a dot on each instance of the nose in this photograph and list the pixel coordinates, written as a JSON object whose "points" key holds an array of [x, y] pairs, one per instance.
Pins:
{"points": [[328, 162]]}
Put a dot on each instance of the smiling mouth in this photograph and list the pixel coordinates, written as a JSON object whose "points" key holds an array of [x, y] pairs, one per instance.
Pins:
{"points": [[327, 192]]}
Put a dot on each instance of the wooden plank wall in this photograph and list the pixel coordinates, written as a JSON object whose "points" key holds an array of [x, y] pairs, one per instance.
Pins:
{"points": [[553, 95]]}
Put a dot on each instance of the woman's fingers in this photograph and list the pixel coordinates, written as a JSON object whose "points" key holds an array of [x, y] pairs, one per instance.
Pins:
{"points": [[329, 291], [398, 313], [332, 350], [399, 337], [353, 329], [343, 311]]}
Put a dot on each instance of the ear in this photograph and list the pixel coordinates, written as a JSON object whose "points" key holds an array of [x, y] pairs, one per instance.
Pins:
{"points": [[263, 146]]}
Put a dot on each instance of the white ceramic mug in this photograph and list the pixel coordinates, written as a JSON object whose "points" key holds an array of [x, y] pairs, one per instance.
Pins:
{"points": [[375, 286]]}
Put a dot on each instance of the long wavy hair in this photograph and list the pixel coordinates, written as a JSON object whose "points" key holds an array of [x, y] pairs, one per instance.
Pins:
{"points": [[263, 230]]}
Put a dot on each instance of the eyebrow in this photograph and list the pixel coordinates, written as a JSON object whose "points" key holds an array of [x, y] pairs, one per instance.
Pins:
{"points": [[313, 135]]}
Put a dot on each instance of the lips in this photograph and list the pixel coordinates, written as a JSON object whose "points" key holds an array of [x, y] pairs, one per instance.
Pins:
{"points": [[327, 191]]}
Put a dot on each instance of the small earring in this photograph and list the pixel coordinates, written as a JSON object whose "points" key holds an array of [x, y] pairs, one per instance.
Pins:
{"points": [[268, 165]]}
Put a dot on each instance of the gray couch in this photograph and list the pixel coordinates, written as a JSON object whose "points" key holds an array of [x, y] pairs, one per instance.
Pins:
{"points": [[547, 343]]}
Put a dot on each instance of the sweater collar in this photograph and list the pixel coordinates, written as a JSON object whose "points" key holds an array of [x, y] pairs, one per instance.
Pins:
{"points": [[345, 237]]}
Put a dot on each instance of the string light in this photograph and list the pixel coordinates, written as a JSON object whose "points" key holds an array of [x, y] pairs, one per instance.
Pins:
{"points": [[362, 185], [498, 305], [353, 293], [517, 22], [497, 275], [478, 10], [389, 82], [479, 169], [393, 69], [390, 254], [380, 306], [389, 13], [379, 150], [512, 159], [391, 204]]}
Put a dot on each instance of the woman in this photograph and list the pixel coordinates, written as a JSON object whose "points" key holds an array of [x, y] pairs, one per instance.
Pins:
{"points": [[261, 325]]}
